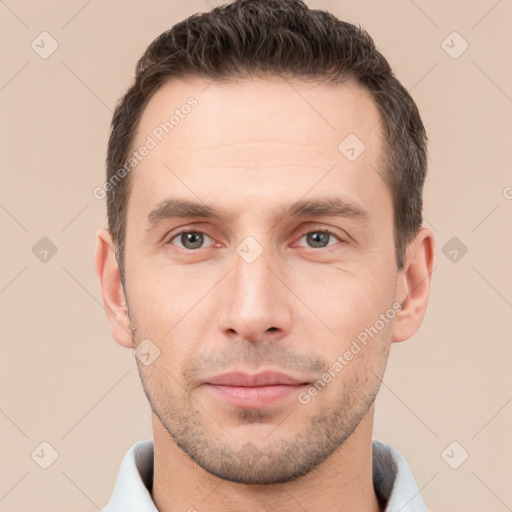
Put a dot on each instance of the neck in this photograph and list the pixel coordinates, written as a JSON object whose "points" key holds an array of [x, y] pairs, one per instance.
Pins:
{"points": [[342, 482]]}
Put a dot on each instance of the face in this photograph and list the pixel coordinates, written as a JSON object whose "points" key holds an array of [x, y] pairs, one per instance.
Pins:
{"points": [[284, 264]]}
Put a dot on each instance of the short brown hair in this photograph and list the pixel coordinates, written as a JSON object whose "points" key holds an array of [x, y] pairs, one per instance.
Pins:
{"points": [[281, 38]]}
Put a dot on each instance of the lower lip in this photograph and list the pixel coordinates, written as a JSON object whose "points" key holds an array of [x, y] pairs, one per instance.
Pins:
{"points": [[254, 397]]}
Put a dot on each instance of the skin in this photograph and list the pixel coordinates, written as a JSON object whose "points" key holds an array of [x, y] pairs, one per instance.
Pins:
{"points": [[249, 147]]}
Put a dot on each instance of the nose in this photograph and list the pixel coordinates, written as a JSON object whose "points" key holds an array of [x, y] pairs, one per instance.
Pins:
{"points": [[258, 301]]}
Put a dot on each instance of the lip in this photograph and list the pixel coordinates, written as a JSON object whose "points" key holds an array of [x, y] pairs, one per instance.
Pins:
{"points": [[267, 378], [253, 391]]}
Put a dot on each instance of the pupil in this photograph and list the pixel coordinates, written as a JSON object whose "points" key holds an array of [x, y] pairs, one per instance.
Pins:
{"points": [[195, 240], [318, 237]]}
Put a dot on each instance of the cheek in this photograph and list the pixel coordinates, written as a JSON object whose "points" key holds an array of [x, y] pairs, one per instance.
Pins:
{"points": [[347, 301], [170, 310], [161, 297]]}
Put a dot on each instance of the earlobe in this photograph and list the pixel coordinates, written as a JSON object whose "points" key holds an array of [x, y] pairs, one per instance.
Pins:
{"points": [[112, 292], [414, 285]]}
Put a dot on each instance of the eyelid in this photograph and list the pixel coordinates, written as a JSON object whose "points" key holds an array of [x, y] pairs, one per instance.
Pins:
{"points": [[303, 232], [174, 234], [322, 229]]}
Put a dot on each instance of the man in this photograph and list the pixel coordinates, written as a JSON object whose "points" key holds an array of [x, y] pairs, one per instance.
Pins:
{"points": [[265, 248]]}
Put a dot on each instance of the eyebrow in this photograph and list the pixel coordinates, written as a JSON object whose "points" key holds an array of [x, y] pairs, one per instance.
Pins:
{"points": [[319, 207]]}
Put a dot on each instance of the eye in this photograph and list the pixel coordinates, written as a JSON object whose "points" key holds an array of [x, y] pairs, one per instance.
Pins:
{"points": [[189, 240], [319, 238], [193, 240]]}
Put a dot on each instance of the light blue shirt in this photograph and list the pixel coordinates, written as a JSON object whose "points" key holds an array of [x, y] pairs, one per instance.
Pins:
{"points": [[393, 481]]}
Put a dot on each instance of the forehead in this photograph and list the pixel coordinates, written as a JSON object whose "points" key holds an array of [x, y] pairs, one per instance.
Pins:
{"points": [[242, 110], [257, 135]]}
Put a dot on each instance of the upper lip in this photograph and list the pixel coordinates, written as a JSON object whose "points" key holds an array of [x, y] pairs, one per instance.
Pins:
{"points": [[267, 378]]}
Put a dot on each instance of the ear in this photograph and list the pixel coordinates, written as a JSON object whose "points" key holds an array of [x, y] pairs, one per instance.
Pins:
{"points": [[114, 300], [413, 285]]}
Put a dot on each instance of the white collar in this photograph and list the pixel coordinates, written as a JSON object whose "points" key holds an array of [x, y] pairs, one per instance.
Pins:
{"points": [[392, 479]]}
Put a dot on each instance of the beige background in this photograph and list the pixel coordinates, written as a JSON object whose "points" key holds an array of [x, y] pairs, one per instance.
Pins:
{"points": [[63, 378]]}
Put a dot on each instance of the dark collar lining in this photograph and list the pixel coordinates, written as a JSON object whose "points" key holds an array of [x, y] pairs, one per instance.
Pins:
{"points": [[144, 461], [384, 470]]}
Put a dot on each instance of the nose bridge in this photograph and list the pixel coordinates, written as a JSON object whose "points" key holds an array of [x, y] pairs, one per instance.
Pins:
{"points": [[251, 272], [255, 303]]}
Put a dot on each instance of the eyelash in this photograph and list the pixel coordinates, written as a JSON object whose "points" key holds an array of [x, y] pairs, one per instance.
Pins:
{"points": [[197, 231]]}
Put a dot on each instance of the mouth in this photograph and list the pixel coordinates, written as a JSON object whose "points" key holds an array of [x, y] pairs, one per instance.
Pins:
{"points": [[253, 391]]}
